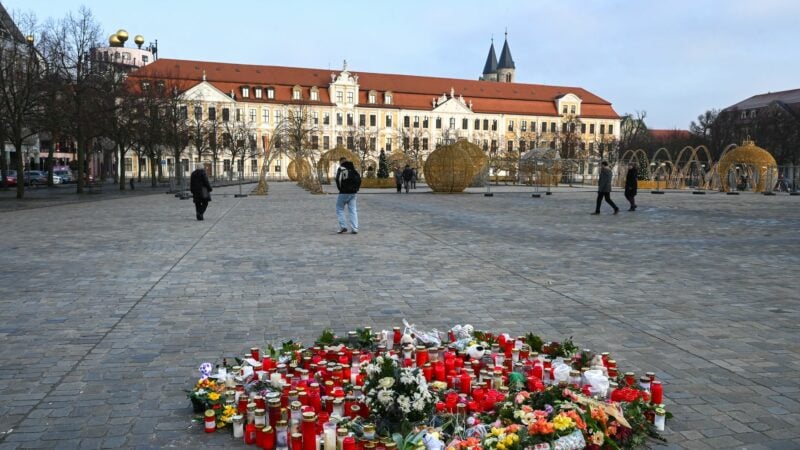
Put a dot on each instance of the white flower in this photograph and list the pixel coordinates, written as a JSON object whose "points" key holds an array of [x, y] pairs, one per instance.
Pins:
{"points": [[404, 403], [407, 377], [419, 404], [379, 360], [386, 382], [386, 396]]}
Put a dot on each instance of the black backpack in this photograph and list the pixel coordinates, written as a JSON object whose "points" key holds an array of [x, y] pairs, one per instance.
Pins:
{"points": [[350, 181]]}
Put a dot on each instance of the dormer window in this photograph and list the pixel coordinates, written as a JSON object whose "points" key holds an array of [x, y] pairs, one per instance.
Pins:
{"points": [[372, 98], [245, 92], [572, 109], [350, 97], [387, 98], [271, 93], [564, 109], [258, 92], [314, 94], [339, 96], [296, 93]]}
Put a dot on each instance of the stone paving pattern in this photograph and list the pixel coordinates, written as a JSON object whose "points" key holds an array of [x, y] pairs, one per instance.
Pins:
{"points": [[108, 307]]}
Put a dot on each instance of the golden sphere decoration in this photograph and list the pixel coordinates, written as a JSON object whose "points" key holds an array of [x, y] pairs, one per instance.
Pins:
{"points": [[476, 154], [751, 161], [332, 157], [449, 169], [113, 41], [122, 35], [138, 40], [297, 171], [400, 160], [29, 39]]}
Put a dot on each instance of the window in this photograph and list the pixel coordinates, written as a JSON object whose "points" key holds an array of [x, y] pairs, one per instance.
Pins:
{"points": [[254, 166], [464, 124], [416, 121], [315, 142], [387, 98], [315, 118], [563, 127], [362, 120], [271, 95], [277, 168], [602, 128], [258, 92], [339, 141], [183, 112], [583, 128], [350, 145], [339, 118], [226, 165], [373, 143], [226, 114], [198, 113], [238, 114], [245, 92], [591, 146], [572, 109], [184, 164], [510, 125], [424, 143], [128, 164], [485, 124], [406, 121], [371, 99], [362, 143], [533, 127], [752, 114], [296, 94], [522, 146], [145, 59], [373, 120], [406, 142], [552, 127], [477, 124], [326, 118], [339, 96], [326, 142], [452, 123], [388, 121], [744, 114], [523, 124], [494, 125], [278, 116], [494, 145], [350, 119], [350, 97], [438, 123], [591, 130], [265, 115], [611, 129], [416, 143], [510, 146], [239, 168], [252, 115], [425, 122], [212, 113], [564, 109], [314, 95], [388, 144]]}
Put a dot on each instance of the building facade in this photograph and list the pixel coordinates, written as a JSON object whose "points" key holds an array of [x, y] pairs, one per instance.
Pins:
{"points": [[393, 113]]}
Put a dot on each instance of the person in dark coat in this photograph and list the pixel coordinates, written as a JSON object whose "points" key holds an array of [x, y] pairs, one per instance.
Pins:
{"points": [[408, 176], [348, 181], [201, 191], [398, 179], [604, 188], [631, 185], [414, 178]]}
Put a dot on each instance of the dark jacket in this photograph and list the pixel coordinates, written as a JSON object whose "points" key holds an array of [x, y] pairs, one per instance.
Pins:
{"points": [[197, 181], [348, 180], [408, 174], [398, 176], [632, 180], [604, 184]]}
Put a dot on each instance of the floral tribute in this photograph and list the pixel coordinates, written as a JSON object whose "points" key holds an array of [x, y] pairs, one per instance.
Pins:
{"points": [[404, 390]]}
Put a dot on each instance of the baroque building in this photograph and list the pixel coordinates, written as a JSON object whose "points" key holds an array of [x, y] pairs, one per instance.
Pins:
{"points": [[370, 112]]}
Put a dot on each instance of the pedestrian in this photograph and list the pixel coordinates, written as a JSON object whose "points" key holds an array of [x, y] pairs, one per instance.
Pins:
{"points": [[201, 191], [414, 178], [604, 188], [631, 185], [398, 179], [348, 181], [408, 175], [339, 167]]}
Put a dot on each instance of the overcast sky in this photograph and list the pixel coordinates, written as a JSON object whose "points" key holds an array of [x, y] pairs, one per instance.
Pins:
{"points": [[672, 59]]}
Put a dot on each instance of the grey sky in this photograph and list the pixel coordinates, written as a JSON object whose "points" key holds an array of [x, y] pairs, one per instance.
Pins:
{"points": [[673, 59]]}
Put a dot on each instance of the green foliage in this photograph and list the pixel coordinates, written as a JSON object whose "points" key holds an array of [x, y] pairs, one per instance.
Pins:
{"points": [[408, 442], [482, 336], [327, 337], [534, 342], [563, 349], [287, 348]]}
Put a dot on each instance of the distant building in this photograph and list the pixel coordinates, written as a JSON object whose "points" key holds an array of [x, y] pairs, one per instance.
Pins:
{"points": [[124, 58]]}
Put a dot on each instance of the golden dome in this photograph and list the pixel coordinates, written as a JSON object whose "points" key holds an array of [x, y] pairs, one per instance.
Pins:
{"points": [[333, 155], [749, 160], [138, 40], [122, 35], [298, 171], [449, 169], [29, 38], [113, 41]]}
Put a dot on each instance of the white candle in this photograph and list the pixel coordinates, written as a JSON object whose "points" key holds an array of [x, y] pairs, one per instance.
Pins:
{"points": [[276, 380], [329, 430]]}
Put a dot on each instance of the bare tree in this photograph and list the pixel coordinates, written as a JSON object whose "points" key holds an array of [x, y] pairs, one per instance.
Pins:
{"points": [[633, 131], [298, 131], [239, 141]]}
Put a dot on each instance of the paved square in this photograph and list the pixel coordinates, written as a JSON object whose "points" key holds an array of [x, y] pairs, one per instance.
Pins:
{"points": [[108, 307]]}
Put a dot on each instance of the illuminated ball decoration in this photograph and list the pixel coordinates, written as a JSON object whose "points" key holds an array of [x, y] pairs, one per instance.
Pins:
{"points": [[297, 171], [449, 169], [751, 161]]}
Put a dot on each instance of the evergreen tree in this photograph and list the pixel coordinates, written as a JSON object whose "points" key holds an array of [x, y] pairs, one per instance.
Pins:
{"points": [[644, 169], [383, 167]]}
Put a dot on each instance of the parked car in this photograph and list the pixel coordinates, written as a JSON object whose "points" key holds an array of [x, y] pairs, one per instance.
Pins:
{"points": [[11, 178], [35, 177], [65, 175]]}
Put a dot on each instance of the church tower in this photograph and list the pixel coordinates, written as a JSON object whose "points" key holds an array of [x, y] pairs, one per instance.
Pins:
{"points": [[505, 67], [490, 68]]}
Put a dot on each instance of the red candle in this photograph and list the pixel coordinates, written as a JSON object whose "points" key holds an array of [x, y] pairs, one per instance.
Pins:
{"points": [[656, 392], [476, 367], [397, 336], [297, 441], [250, 434], [440, 407], [348, 443], [449, 365], [210, 421], [466, 382], [269, 438], [473, 406], [478, 394], [309, 430], [630, 378], [255, 353], [427, 372], [422, 356], [439, 371], [260, 436]]}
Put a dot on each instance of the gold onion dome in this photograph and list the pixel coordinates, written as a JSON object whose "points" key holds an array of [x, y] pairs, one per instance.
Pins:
{"points": [[752, 160], [122, 35], [113, 41], [138, 40], [29, 38]]}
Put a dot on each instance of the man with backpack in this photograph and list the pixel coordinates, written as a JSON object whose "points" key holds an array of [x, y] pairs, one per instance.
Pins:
{"points": [[348, 181]]}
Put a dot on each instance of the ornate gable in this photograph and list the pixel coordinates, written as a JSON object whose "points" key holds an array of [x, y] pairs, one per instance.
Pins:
{"points": [[451, 104], [206, 92]]}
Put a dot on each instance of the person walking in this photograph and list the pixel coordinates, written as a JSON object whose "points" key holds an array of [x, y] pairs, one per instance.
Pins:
{"points": [[339, 168], [604, 188], [414, 178], [398, 179], [408, 175], [631, 185], [201, 191], [348, 181]]}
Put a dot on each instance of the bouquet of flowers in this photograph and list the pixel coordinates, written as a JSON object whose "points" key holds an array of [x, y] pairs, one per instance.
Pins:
{"points": [[397, 397]]}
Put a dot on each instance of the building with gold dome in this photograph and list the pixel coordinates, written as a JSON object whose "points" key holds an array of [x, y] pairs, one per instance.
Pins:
{"points": [[122, 57], [370, 112]]}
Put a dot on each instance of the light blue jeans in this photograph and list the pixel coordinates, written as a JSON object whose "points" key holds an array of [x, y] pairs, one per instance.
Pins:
{"points": [[352, 206]]}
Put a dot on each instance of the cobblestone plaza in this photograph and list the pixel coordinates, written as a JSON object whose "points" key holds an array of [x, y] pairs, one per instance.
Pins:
{"points": [[108, 307]]}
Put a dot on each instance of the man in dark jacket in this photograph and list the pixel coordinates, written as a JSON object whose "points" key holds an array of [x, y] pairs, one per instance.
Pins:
{"points": [[408, 175], [348, 181], [631, 185], [604, 188], [201, 191]]}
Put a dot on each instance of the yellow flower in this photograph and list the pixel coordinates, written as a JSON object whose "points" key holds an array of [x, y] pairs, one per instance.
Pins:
{"points": [[220, 424], [501, 447], [515, 437], [213, 396], [562, 422]]}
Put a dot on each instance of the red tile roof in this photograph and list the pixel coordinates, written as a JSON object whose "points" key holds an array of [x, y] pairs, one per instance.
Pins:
{"points": [[409, 91]]}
